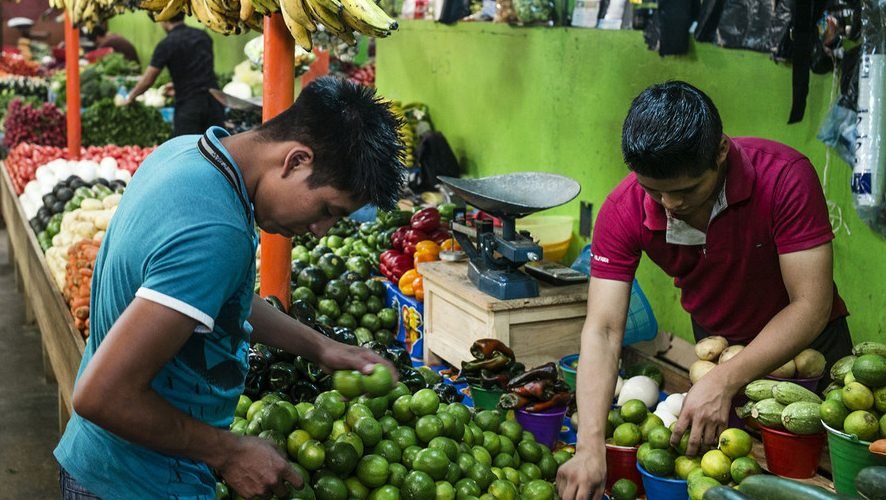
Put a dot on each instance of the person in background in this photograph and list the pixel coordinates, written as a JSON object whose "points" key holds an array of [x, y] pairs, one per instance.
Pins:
{"points": [[105, 40], [173, 308], [742, 226], [187, 52]]}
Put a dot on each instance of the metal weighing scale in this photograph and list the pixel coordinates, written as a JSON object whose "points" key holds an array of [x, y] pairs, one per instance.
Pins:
{"points": [[496, 257]]}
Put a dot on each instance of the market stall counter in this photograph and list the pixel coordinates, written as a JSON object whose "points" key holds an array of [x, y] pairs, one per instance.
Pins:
{"points": [[62, 343]]}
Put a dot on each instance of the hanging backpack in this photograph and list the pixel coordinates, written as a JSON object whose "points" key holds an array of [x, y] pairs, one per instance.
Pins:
{"points": [[434, 158]]}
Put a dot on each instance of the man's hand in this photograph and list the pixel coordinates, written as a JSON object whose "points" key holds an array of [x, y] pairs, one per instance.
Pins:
{"points": [[706, 408], [584, 475], [340, 356], [255, 467]]}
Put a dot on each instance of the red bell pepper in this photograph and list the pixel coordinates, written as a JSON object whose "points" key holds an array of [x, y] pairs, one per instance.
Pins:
{"points": [[413, 236], [426, 220], [398, 238], [398, 265], [440, 235]]}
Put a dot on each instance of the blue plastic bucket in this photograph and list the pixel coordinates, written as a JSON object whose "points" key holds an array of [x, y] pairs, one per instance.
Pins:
{"points": [[663, 488]]}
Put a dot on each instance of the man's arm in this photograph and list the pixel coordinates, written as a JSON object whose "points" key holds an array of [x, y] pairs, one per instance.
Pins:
{"points": [[144, 83], [601, 338], [275, 328], [145, 337], [808, 277]]}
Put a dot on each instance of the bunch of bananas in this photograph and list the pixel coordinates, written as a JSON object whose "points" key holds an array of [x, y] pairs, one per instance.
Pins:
{"points": [[90, 13], [302, 17], [406, 133]]}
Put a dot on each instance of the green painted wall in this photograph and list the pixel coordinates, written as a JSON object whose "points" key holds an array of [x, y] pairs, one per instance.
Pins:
{"points": [[144, 34], [511, 99]]}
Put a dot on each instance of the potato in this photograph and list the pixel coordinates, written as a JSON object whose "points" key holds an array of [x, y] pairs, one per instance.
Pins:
{"points": [[699, 369], [709, 349], [810, 363], [786, 370], [729, 353]]}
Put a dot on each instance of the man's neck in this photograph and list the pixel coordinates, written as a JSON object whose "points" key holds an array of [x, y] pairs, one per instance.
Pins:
{"points": [[250, 157]]}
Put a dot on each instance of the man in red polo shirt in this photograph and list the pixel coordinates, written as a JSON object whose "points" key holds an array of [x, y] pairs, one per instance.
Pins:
{"points": [[742, 226]]}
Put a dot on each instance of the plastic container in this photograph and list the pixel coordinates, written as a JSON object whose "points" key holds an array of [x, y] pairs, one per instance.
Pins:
{"points": [[555, 251], [809, 383], [848, 456], [621, 463], [792, 455], [663, 488], [485, 399], [554, 232], [545, 425], [567, 370]]}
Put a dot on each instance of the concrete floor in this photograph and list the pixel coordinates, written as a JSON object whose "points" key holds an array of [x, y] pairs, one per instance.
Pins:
{"points": [[28, 404]]}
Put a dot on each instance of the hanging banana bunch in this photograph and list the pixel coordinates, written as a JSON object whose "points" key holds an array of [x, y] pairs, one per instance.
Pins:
{"points": [[302, 17], [90, 13], [406, 133]]}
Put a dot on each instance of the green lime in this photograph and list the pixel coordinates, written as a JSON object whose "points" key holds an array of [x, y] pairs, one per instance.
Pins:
{"points": [[531, 470], [488, 420], [353, 440], [428, 427], [397, 474], [341, 458], [624, 489], [660, 438], [374, 304], [548, 466], [650, 422], [330, 488], [444, 491], [491, 442], [418, 485], [372, 470], [529, 451], [511, 429], [346, 320], [634, 411], [356, 489], [481, 455], [409, 454], [370, 321], [447, 445], [318, 423], [386, 492], [329, 308], [294, 441], [276, 438], [348, 383], [356, 308], [626, 434], [433, 462], [388, 318], [243, 405], [424, 402], [357, 411], [402, 409], [388, 450], [311, 455], [503, 490], [467, 488], [380, 382], [254, 409], [369, 431], [538, 489], [404, 437], [659, 462]]}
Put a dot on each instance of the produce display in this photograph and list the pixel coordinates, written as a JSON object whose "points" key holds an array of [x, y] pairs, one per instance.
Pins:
{"points": [[25, 158], [710, 351], [856, 401], [78, 281], [388, 441], [107, 123], [40, 124], [418, 241], [784, 405], [536, 390], [14, 64]]}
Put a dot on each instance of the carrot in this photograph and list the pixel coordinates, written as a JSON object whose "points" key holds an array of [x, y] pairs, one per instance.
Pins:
{"points": [[79, 302]]}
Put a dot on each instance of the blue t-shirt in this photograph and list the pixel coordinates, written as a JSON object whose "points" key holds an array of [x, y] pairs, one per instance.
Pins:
{"points": [[180, 238]]}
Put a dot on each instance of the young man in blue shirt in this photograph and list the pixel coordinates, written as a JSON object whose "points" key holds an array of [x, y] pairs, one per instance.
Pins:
{"points": [[172, 305]]}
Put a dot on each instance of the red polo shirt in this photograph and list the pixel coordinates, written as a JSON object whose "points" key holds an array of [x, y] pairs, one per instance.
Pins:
{"points": [[732, 285]]}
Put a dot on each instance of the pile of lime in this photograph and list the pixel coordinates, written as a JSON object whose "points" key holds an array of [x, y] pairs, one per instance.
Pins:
{"points": [[370, 438], [855, 402], [633, 425]]}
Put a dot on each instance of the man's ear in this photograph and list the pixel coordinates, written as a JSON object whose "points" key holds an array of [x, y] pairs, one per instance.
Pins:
{"points": [[299, 156], [723, 150]]}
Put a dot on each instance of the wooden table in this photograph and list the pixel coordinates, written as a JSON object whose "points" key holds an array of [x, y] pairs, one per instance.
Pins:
{"points": [[538, 329], [62, 343]]}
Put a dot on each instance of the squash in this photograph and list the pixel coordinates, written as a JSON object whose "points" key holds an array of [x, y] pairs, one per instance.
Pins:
{"points": [[765, 487], [870, 482]]}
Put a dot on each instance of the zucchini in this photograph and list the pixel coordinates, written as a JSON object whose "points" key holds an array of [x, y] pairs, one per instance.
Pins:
{"points": [[869, 348], [724, 493], [758, 390], [789, 392], [766, 487], [870, 482], [768, 413], [842, 367], [802, 417]]}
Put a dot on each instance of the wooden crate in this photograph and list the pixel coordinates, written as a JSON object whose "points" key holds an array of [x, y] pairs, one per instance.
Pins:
{"points": [[62, 343], [540, 329]]}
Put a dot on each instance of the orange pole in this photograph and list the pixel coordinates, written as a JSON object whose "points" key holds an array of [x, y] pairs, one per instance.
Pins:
{"points": [[318, 69], [279, 84], [72, 90]]}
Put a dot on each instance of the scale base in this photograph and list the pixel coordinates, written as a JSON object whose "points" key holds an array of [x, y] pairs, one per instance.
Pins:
{"points": [[503, 285]]}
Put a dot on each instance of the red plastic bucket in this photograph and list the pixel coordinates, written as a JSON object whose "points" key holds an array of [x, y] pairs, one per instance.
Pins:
{"points": [[544, 425], [792, 455], [621, 463]]}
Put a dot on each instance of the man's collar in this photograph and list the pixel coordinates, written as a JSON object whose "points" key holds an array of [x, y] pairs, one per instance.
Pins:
{"points": [[740, 177]]}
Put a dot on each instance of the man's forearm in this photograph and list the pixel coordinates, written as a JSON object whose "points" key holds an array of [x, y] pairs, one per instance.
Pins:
{"points": [[597, 372], [787, 333]]}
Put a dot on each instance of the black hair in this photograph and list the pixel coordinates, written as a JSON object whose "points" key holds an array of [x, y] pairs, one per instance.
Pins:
{"points": [[353, 135], [178, 18], [672, 129], [98, 30]]}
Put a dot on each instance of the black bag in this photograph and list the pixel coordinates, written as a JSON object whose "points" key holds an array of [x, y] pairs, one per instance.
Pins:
{"points": [[434, 157]]}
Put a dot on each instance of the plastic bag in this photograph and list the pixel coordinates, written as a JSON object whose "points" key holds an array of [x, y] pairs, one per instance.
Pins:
{"points": [[641, 324]]}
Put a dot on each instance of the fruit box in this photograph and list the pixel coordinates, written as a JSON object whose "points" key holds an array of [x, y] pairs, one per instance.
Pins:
{"points": [[410, 327]]}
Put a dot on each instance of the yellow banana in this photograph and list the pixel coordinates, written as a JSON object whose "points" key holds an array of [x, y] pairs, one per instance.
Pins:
{"points": [[328, 19], [299, 33], [370, 13], [330, 5], [246, 10], [298, 12], [155, 5], [360, 26], [172, 9]]}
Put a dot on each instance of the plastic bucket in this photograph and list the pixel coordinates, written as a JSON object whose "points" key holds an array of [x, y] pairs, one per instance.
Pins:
{"points": [[567, 370], [809, 383], [848, 456], [621, 463], [792, 455], [663, 488], [545, 425], [485, 399]]}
